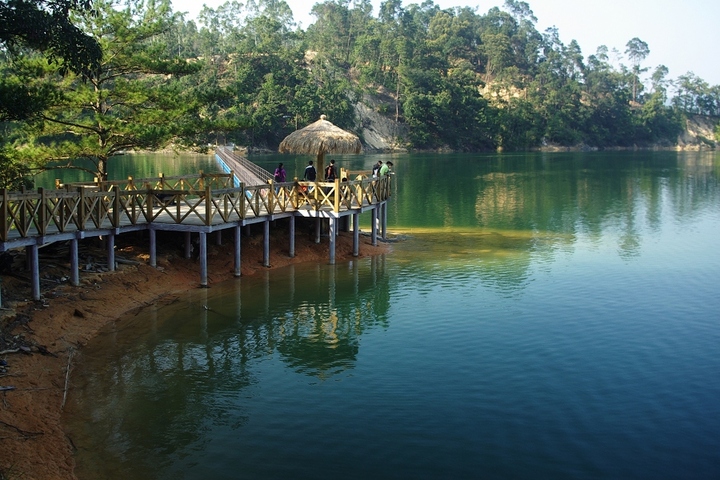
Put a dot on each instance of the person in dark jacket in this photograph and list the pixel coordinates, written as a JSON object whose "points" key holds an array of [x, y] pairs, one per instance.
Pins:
{"points": [[330, 172], [310, 173]]}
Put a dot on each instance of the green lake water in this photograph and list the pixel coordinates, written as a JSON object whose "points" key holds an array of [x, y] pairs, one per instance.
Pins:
{"points": [[539, 316]]}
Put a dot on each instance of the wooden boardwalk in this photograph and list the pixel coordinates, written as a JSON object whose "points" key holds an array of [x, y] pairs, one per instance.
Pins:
{"points": [[192, 204]]}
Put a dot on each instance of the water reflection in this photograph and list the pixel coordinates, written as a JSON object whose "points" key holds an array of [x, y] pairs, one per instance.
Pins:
{"points": [[532, 295], [200, 355]]}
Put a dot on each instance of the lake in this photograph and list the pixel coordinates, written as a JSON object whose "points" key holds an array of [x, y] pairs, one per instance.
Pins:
{"points": [[540, 316]]}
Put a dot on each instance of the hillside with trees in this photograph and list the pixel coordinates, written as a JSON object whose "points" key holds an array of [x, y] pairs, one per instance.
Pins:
{"points": [[437, 79]]}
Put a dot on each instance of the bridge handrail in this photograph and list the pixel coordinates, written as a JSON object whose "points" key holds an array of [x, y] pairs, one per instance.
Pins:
{"points": [[248, 172], [87, 207], [179, 182]]}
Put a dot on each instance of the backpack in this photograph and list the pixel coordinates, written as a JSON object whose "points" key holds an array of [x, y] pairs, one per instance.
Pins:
{"points": [[330, 173], [310, 173]]}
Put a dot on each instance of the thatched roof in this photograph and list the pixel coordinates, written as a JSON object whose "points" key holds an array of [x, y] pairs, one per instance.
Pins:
{"points": [[319, 138]]}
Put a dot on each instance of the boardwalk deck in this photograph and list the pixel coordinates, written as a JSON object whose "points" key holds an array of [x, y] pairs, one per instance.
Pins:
{"points": [[200, 204]]}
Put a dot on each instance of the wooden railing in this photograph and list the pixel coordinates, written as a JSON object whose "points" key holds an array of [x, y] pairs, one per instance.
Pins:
{"points": [[197, 198]]}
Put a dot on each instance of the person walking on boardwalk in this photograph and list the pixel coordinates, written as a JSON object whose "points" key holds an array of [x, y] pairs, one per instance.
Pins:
{"points": [[310, 173], [330, 172], [279, 174]]}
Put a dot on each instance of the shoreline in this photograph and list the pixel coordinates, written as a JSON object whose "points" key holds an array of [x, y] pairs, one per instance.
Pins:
{"points": [[55, 329]]}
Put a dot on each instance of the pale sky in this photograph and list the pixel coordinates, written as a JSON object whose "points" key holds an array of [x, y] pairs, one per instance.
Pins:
{"points": [[683, 36]]}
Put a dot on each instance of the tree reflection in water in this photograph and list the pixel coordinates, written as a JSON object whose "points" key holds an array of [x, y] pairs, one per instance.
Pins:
{"points": [[158, 383]]}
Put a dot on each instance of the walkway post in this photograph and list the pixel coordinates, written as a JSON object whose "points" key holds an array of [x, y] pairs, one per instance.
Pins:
{"points": [[373, 235], [317, 229], [74, 263], [238, 271], [111, 252], [266, 242], [153, 247], [384, 220], [203, 260], [34, 261], [292, 237], [356, 234], [333, 239], [188, 245]]}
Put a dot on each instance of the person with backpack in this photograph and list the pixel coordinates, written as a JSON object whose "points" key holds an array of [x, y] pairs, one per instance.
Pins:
{"points": [[330, 172], [310, 173], [376, 169]]}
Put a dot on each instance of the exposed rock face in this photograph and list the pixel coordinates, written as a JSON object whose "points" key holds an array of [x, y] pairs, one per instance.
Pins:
{"points": [[699, 133], [378, 132]]}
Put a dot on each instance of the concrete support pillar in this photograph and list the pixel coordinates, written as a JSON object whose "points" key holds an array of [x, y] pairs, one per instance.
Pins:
{"points": [[356, 234], [34, 264], [291, 247], [333, 238], [74, 263], [374, 229], [111, 252], [203, 260], [266, 243], [188, 245], [153, 248], [238, 262], [384, 221]]}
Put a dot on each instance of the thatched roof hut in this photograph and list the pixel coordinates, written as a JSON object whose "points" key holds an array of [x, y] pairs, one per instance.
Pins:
{"points": [[320, 138]]}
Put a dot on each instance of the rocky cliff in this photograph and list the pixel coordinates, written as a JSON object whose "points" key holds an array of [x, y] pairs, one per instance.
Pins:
{"points": [[381, 133], [699, 133]]}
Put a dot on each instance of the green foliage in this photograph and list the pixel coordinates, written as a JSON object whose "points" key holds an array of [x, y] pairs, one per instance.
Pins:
{"points": [[44, 27], [658, 121], [132, 101], [694, 95], [47, 27], [243, 73], [14, 172]]}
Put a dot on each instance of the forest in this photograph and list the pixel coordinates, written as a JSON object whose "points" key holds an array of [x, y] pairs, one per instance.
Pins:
{"points": [[85, 79]]}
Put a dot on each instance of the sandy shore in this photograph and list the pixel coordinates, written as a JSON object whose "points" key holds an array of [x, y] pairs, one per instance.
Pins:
{"points": [[33, 384]]}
